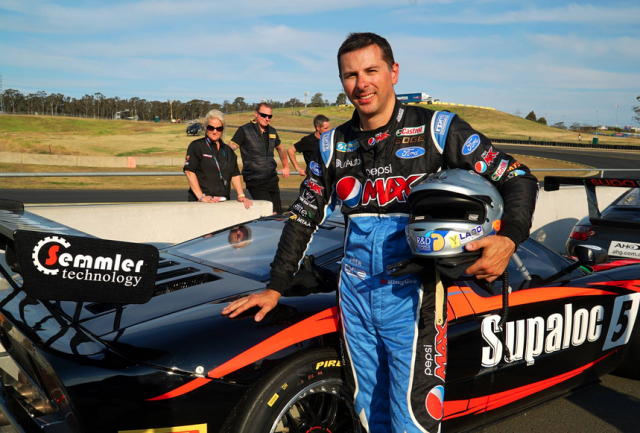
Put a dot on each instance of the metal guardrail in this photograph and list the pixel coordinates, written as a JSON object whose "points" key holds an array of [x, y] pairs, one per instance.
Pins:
{"points": [[582, 145], [176, 173]]}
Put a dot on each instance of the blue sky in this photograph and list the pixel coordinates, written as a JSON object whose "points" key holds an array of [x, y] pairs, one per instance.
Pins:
{"points": [[576, 60]]}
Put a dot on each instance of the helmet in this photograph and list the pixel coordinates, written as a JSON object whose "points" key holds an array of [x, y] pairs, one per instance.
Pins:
{"points": [[450, 209]]}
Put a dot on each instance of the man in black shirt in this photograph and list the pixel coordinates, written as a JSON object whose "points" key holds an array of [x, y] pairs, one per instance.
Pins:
{"points": [[257, 141], [211, 166], [309, 144]]}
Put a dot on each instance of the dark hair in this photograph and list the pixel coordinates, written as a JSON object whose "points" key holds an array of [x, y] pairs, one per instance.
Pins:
{"points": [[358, 41], [319, 120], [263, 104]]}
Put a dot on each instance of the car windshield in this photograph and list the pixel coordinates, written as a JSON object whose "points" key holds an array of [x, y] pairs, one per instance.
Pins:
{"points": [[248, 249], [631, 199]]}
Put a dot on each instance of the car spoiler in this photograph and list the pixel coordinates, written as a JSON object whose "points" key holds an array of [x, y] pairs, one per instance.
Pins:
{"points": [[56, 262], [552, 183]]}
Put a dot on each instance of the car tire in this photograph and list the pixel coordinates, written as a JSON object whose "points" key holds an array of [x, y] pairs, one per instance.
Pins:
{"points": [[306, 393], [630, 366]]}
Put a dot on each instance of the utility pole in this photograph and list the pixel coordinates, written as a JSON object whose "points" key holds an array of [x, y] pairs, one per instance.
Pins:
{"points": [[1, 97], [597, 121], [616, 116]]}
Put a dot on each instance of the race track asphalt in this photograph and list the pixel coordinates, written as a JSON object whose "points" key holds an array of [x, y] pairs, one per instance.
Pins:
{"points": [[613, 405]]}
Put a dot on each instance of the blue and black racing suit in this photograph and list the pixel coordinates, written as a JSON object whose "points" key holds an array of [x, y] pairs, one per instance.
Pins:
{"points": [[397, 351]]}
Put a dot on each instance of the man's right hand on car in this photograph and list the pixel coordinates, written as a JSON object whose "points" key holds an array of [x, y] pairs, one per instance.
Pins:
{"points": [[266, 300]]}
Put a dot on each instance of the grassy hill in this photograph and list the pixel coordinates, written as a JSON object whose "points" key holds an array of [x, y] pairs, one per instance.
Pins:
{"points": [[492, 123], [73, 136]]}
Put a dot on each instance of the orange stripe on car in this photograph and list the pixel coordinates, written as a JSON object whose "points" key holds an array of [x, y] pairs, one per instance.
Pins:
{"points": [[457, 408], [322, 323]]}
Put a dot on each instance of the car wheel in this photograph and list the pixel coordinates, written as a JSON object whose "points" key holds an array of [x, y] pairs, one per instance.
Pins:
{"points": [[630, 366], [304, 394]]}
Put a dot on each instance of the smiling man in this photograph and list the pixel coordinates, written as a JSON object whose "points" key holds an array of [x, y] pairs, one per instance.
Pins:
{"points": [[369, 165]]}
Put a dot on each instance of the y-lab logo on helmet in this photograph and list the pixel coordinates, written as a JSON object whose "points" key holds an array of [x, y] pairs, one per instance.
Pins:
{"points": [[435, 402], [414, 130], [48, 260], [349, 189], [351, 146], [315, 168], [471, 144]]}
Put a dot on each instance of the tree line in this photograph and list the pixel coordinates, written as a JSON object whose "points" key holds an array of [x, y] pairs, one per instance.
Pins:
{"points": [[99, 106]]}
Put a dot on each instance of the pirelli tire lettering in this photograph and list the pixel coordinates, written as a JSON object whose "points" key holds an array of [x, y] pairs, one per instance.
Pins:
{"points": [[305, 380], [529, 338]]}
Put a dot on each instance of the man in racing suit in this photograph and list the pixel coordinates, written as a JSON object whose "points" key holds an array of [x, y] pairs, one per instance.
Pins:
{"points": [[369, 165]]}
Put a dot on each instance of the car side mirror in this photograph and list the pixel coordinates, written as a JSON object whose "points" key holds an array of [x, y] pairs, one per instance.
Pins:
{"points": [[590, 255]]}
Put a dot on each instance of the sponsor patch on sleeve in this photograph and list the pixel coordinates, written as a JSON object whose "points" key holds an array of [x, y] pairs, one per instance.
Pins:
{"points": [[325, 146], [315, 168], [502, 168], [440, 128], [471, 144]]}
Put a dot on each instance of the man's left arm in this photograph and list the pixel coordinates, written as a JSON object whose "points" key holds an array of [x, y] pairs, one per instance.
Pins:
{"points": [[283, 157], [468, 149]]}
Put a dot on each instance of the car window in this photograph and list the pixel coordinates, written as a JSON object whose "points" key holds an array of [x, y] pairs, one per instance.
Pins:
{"points": [[539, 261], [248, 249]]}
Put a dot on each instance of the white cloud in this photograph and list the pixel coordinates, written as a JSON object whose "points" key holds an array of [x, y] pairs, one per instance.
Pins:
{"points": [[48, 17], [572, 13], [620, 48]]}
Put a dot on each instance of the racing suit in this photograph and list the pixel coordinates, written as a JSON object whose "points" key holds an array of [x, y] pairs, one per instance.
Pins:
{"points": [[397, 351]]}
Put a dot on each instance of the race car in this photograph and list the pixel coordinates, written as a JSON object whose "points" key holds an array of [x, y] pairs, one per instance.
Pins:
{"points": [[617, 227], [105, 336], [195, 128]]}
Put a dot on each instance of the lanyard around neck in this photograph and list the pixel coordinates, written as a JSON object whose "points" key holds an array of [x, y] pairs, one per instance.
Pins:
{"points": [[224, 155]]}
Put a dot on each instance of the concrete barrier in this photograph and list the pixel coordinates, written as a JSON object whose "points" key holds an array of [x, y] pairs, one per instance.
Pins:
{"points": [[558, 211], [556, 214], [152, 222]]}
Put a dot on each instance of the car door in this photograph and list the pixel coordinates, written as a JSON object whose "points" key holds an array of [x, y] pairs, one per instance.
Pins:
{"points": [[554, 334]]}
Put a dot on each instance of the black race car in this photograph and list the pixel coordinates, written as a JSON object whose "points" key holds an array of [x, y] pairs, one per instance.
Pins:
{"points": [[141, 349], [195, 128], [615, 229]]}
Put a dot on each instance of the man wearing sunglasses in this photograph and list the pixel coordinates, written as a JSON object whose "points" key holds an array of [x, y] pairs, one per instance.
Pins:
{"points": [[257, 141]]}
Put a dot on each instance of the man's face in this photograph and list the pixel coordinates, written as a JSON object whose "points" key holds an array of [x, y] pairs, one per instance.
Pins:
{"points": [[367, 80], [324, 128], [263, 121]]}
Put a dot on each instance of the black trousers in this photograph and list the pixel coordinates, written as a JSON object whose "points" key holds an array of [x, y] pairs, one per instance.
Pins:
{"points": [[268, 190]]}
